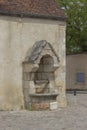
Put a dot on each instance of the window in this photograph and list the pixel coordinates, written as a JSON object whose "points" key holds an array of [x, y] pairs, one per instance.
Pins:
{"points": [[80, 77]]}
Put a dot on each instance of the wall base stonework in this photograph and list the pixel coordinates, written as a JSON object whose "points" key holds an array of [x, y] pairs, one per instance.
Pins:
{"points": [[62, 101], [40, 106]]}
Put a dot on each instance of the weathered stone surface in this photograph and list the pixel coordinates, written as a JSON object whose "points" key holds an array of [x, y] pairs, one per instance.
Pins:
{"points": [[37, 50], [16, 43], [41, 106], [53, 105]]}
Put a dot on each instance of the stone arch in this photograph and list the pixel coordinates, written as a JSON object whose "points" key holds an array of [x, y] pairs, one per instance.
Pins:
{"points": [[45, 71]]}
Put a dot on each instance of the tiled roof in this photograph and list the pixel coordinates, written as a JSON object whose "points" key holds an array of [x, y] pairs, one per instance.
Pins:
{"points": [[32, 8]]}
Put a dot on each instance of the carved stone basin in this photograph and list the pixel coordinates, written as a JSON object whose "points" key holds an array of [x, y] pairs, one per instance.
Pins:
{"points": [[44, 95], [42, 101]]}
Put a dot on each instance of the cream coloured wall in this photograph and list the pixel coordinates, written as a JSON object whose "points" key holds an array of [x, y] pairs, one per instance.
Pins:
{"points": [[17, 37]]}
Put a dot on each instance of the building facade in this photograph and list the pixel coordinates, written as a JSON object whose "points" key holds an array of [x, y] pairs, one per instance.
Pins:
{"points": [[23, 26], [76, 70]]}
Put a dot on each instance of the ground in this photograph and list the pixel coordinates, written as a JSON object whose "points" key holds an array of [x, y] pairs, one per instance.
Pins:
{"points": [[74, 117]]}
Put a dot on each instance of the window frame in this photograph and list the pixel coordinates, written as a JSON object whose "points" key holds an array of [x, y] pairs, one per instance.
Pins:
{"points": [[77, 80]]}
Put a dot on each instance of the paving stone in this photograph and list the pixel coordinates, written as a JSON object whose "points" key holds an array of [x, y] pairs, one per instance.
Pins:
{"points": [[74, 117]]}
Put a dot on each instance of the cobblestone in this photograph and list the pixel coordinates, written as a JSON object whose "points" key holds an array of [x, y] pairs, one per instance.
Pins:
{"points": [[74, 117]]}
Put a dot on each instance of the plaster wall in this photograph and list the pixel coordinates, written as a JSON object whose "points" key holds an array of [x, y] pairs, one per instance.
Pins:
{"points": [[76, 63], [17, 36]]}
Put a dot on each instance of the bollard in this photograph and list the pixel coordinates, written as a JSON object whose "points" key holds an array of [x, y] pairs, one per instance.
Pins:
{"points": [[74, 92]]}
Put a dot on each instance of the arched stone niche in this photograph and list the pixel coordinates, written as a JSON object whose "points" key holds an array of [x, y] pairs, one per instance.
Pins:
{"points": [[39, 70]]}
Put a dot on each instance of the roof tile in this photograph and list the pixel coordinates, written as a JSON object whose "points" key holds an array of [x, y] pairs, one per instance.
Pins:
{"points": [[33, 8]]}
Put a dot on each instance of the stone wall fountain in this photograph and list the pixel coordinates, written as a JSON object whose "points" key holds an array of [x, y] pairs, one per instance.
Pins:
{"points": [[39, 76]]}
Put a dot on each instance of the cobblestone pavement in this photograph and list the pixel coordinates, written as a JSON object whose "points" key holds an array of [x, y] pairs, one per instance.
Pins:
{"points": [[74, 117]]}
